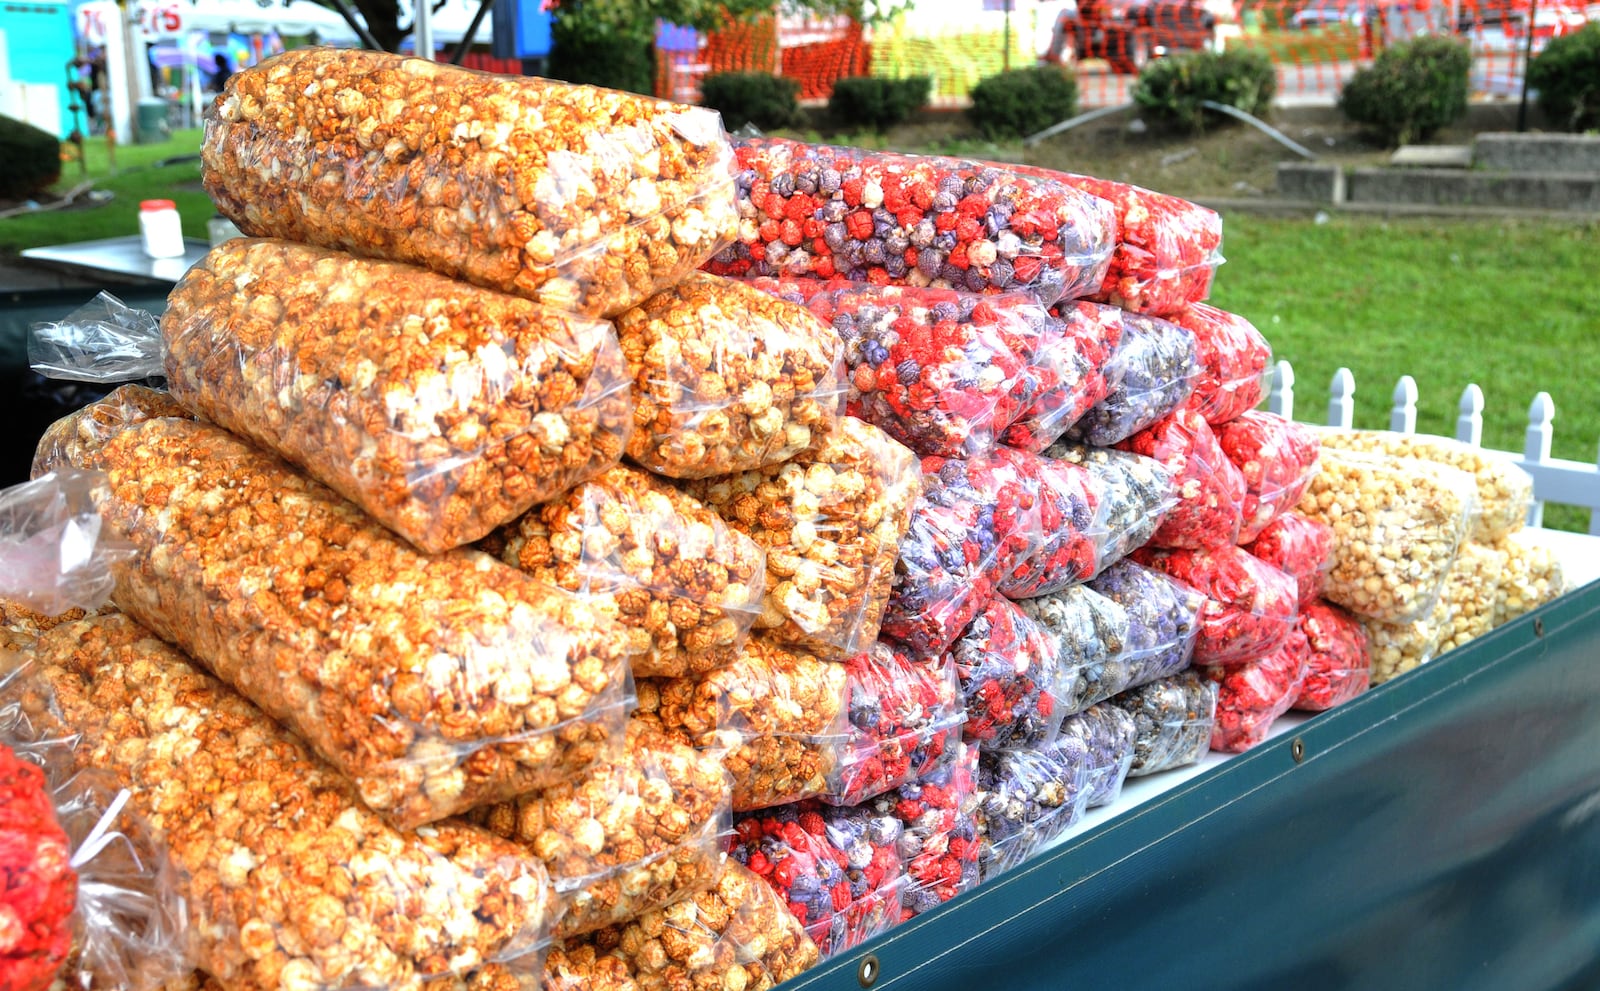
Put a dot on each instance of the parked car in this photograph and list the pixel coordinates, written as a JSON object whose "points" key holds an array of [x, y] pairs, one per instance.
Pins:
{"points": [[1129, 33]]}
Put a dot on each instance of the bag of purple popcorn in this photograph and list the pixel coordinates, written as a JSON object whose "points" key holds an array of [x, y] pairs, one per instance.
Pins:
{"points": [[1172, 719], [1026, 798], [943, 576], [1136, 493], [1100, 739], [1163, 620], [1089, 631], [1152, 373]]}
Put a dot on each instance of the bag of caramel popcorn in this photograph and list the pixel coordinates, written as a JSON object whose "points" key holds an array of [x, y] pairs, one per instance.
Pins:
{"points": [[55, 554], [287, 878], [726, 378], [831, 521], [683, 584], [583, 198], [70, 439], [442, 409], [435, 683], [736, 936], [631, 835]]}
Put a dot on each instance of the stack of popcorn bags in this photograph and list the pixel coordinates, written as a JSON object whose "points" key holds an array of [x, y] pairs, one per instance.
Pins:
{"points": [[576, 549]]}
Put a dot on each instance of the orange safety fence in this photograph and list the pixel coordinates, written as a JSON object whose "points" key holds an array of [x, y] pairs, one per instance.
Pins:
{"points": [[1316, 45]]}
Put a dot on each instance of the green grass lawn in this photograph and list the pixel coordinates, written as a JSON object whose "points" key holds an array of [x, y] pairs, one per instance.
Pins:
{"points": [[1510, 305], [136, 176]]}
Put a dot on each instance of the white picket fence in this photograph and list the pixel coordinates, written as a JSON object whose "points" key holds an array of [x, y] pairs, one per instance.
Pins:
{"points": [[1555, 480]]}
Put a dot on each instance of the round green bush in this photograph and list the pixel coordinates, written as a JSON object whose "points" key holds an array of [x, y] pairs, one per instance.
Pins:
{"points": [[1411, 90], [1172, 89], [1021, 102], [1567, 76], [878, 104], [759, 99], [591, 50], [30, 159]]}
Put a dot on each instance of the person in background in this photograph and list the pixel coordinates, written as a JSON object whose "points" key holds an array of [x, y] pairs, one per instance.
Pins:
{"points": [[219, 79]]}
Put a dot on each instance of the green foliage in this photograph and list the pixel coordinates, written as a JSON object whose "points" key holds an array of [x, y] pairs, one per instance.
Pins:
{"points": [[1567, 76], [768, 102], [590, 50], [30, 159], [1172, 89], [1021, 102], [705, 15], [1411, 91], [878, 104]]}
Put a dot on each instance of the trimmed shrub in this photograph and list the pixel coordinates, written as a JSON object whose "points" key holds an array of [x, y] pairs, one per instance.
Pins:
{"points": [[1567, 76], [1021, 102], [1411, 90], [1172, 89], [30, 159], [591, 50], [878, 104], [758, 98]]}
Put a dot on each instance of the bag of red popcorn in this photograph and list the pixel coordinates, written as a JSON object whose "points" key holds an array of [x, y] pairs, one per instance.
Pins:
{"points": [[1010, 678], [1211, 491], [943, 577], [1167, 248], [1250, 606], [40, 887], [1069, 520], [940, 841], [1070, 368], [905, 720], [1252, 695], [838, 869], [1151, 373], [1300, 546], [1277, 457], [1233, 358], [884, 217], [1339, 657], [1173, 718], [1136, 494]]}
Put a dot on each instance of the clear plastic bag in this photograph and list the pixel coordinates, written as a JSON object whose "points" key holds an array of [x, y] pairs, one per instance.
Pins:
{"points": [[830, 521], [1531, 577], [737, 934], [1101, 739], [1277, 458], [1167, 248], [1151, 371], [839, 870], [1338, 660], [1504, 490], [1070, 520], [941, 371], [1010, 678], [1251, 696], [940, 841], [1234, 362], [917, 220], [1401, 647], [442, 409], [435, 683], [1299, 546], [1089, 631], [1172, 719], [788, 709], [1250, 606], [629, 836], [1163, 622], [1211, 490], [55, 555], [1003, 493], [583, 198], [1136, 494], [1070, 366], [905, 720], [1026, 798], [1397, 525], [726, 378], [277, 858], [71, 439], [683, 584], [1469, 595], [943, 577]]}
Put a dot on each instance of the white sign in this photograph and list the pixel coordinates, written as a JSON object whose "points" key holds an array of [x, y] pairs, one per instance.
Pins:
{"points": [[92, 23], [163, 20]]}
